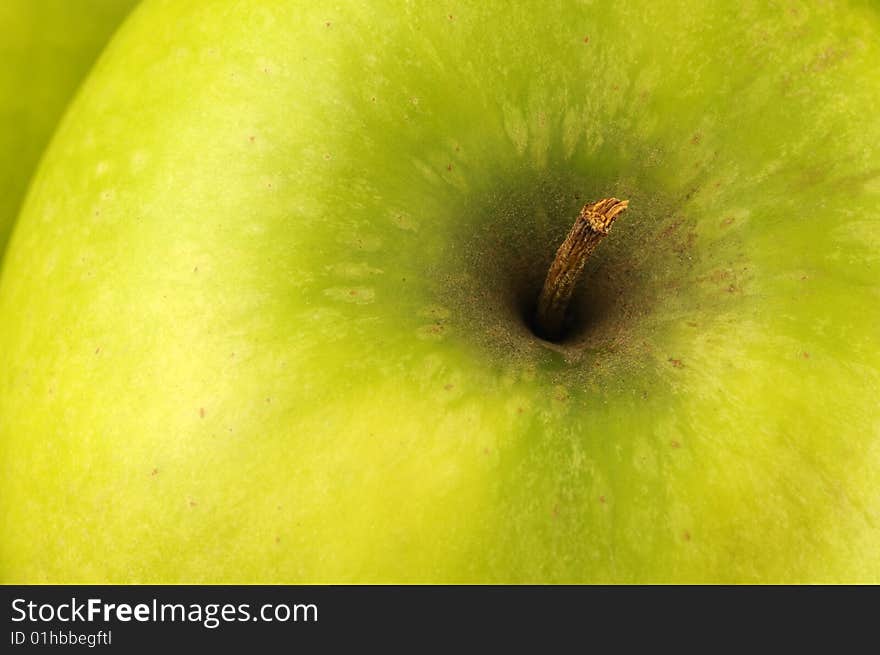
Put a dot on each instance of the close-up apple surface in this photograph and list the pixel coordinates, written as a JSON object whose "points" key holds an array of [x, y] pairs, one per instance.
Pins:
{"points": [[46, 48], [270, 310]]}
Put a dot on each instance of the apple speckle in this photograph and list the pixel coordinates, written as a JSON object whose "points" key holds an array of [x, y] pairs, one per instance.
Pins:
{"points": [[437, 312], [98, 350], [192, 503], [687, 535], [602, 500], [154, 472], [586, 39], [805, 355], [449, 167], [675, 444], [432, 331], [357, 295], [676, 363], [560, 394], [405, 222], [201, 412]]}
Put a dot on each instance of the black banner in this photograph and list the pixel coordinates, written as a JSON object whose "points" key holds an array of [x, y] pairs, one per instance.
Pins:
{"points": [[149, 618]]}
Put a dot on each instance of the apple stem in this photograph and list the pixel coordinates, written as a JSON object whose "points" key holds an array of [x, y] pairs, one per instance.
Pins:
{"points": [[590, 227]]}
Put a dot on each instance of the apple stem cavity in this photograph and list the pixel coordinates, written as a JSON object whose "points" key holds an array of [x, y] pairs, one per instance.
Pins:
{"points": [[591, 226]]}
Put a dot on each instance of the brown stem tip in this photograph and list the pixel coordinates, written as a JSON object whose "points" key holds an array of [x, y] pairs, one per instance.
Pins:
{"points": [[591, 226]]}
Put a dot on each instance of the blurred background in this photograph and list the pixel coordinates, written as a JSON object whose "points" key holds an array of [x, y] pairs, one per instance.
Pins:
{"points": [[47, 48]]}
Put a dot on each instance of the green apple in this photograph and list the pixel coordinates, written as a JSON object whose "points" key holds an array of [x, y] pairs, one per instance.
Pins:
{"points": [[46, 48], [267, 314]]}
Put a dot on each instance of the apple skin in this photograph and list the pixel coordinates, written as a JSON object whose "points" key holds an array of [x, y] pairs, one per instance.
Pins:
{"points": [[47, 47], [263, 315]]}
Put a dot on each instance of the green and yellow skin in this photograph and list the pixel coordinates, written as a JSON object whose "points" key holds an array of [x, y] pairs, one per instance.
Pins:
{"points": [[266, 315], [46, 49]]}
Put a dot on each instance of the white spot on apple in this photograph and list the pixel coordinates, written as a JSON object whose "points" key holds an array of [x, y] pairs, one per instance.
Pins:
{"points": [[356, 295], [515, 126], [571, 132], [139, 160], [354, 269]]}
